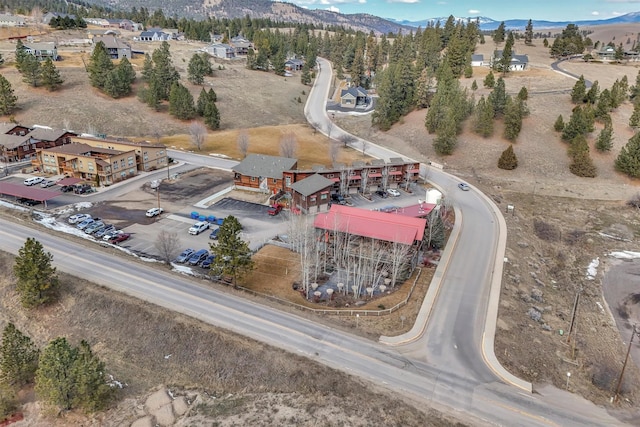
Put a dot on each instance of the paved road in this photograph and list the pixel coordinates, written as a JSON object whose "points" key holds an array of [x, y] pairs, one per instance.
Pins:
{"points": [[555, 66], [385, 366]]}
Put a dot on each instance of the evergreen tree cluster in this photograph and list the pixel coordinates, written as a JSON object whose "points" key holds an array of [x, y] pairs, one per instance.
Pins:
{"points": [[232, 254], [569, 42], [199, 67], [36, 73], [8, 101], [159, 74], [67, 23], [66, 377], [113, 80]]}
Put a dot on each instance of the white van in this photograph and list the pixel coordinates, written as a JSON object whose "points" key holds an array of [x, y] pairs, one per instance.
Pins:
{"points": [[33, 180]]}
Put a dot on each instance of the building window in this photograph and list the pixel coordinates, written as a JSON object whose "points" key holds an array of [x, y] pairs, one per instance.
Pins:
{"points": [[330, 175], [130, 159], [115, 166], [323, 196], [275, 180], [304, 197], [253, 178], [287, 180], [313, 199]]}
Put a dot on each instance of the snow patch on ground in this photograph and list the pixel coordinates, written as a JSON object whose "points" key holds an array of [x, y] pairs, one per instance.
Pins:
{"points": [[82, 205], [625, 255], [222, 156], [12, 206], [592, 269], [182, 269]]}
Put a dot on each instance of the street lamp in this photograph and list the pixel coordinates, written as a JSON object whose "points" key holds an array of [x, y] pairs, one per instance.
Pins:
{"points": [[357, 320], [568, 376]]}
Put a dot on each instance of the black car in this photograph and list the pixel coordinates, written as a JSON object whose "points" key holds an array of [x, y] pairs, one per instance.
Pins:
{"points": [[27, 202], [382, 194], [66, 188], [337, 198]]}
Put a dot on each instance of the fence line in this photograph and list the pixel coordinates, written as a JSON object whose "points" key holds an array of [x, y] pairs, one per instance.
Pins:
{"points": [[338, 312]]}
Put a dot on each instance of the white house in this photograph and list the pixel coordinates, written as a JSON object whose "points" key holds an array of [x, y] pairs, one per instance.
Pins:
{"points": [[11, 21]]}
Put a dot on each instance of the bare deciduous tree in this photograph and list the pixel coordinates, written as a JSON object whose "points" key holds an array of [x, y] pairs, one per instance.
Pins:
{"points": [[288, 145], [197, 132], [243, 143], [36, 14], [364, 180], [333, 152], [347, 139], [364, 144], [167, 244]]}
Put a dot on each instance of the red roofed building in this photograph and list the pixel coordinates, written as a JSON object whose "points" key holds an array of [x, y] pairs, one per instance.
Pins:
{"points": [[377, 225]]}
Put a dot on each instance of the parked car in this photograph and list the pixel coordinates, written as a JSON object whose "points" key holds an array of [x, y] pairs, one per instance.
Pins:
{"points": [[84, 224], [111, 234], [382, 194], [393, 192], [198, 227], [463, 186], [197, 257], [93, 227], [337, 198], [154, 212], [274, 210], [73, 219], [120, 237], [66, 188], [47, 183], [208, 261], [214, 233], [108, 228], [184, 256], [33, 180], [83, 189]]}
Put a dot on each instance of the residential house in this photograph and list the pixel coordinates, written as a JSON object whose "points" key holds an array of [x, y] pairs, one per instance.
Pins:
{"points": [[91, 34], [293, 64], [86, 162], [125, 24], [100, 22], [354, 97], [220, 50], [311, 194], [262, 172], [477, 60], [518, 62], [607, 53], [21, 143], [153, 35], [116, 47], [216, 38], [241, 45], [42, 50], [148, 156], [47, 17], [11, 21]]}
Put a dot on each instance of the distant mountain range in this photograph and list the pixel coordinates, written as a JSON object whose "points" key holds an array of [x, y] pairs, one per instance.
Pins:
{"points": [[489, 24], [288, 12]]}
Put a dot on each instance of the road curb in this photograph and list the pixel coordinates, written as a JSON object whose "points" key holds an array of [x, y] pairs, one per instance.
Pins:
{"points": [[489, 333]]}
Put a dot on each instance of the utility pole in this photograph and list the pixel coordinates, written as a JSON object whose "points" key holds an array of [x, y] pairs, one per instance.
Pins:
{"points": [[573, 314], [634, 331]]}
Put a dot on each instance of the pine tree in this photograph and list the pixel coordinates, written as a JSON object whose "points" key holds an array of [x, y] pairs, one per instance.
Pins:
{"points": [[305, 76], [628, 161], [50, 76], [579, 91], [446, 136], [147, 68], [211, 116], [118, 82], [603, 106], [100, 65], [8, 101], [605, 139], [203, 98], [490, 80], [483, 124], [8, 401], [523, 95], [92, 393], [55, 379], [508, 159], [558, 126], [181, 102], [582, 165], [578, 124], [592, 95], [37, 281], [528, 33], [474, 86], [31, 70], [18, 357], [499, 33], [578, 145], [499, 98], [21, 55], [634, 120], [513, 119], [199, 67], [232, 254], [503, 64]]}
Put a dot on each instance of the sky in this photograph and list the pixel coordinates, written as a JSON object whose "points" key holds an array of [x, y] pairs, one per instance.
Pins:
{"points": [[499, 10]]}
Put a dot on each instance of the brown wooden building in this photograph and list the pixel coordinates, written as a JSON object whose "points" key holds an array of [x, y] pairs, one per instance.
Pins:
{"points": [[263, 173], [20, 143], [311, 194]]}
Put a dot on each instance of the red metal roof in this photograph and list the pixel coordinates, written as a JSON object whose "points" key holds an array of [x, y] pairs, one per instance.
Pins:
{"points": [[395, 173], [375, 175], [414, 211], [355, 177], [21, 190], [378, 225]]}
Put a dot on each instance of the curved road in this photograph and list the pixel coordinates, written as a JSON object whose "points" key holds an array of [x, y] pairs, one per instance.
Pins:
{"points": [[442, 366]]}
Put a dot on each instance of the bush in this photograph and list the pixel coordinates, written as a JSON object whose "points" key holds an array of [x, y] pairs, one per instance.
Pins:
{"points": [[546, 231], [508, 159], [634, 202]]}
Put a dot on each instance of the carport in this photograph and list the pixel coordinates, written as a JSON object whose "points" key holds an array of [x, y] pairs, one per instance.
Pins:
{"points": [[20, 190]]}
